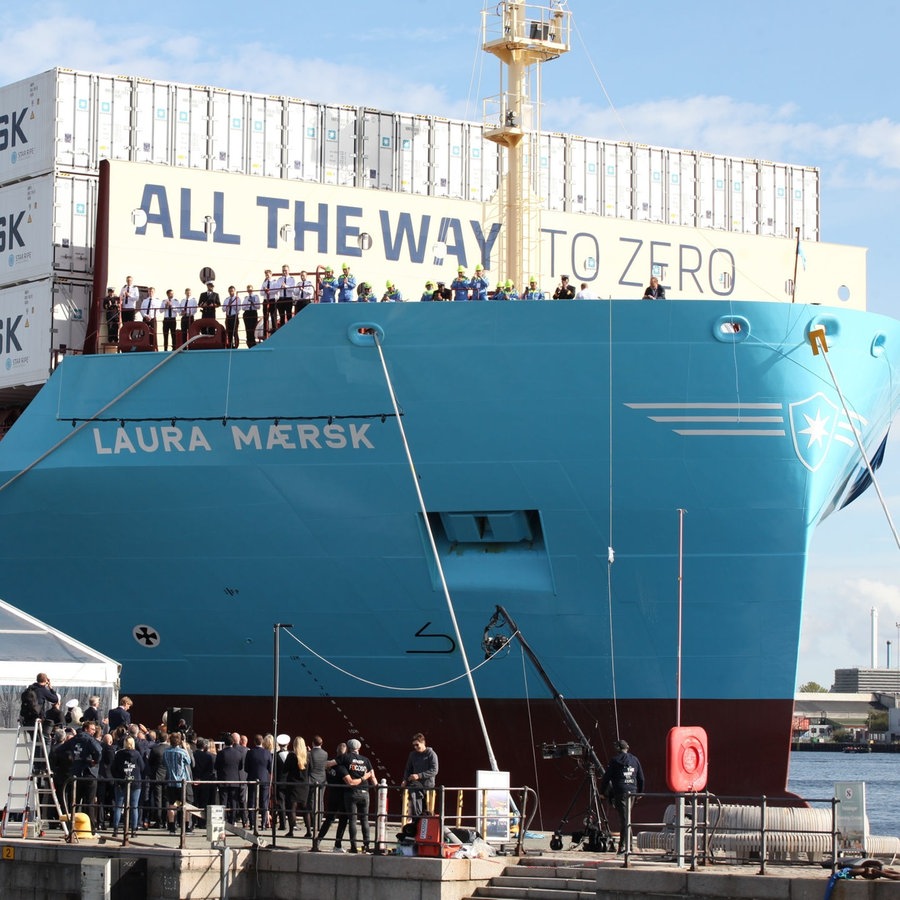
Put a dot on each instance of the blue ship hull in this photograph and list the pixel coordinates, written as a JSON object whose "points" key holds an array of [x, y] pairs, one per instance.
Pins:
{"points": [[232, 490]]}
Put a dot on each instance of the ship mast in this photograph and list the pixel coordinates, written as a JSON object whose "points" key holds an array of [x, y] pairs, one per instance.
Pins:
{"points": [[521, 36]]}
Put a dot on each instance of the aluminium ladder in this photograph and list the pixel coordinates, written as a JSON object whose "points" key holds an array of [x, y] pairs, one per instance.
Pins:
{"points": [[32, 799]]}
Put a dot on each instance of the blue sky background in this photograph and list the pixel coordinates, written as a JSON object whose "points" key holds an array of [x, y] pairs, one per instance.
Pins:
{"points": [[810, 83]]}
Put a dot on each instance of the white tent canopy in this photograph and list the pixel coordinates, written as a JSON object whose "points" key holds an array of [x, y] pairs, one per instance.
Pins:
{"points": [[29, 646]]}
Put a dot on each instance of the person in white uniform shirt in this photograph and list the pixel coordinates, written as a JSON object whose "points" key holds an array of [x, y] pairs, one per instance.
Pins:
{"points": [[306, 292], [231, 306], [250, 307], [128, 299], [286, 285], [169, 309], [269, 291], [149, 311], [188, 309]]}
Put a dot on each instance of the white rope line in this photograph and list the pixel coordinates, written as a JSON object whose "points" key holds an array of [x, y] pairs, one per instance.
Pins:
{"points": [[437, 557], [386, 687], [78, 428], [862, 450], [611, 554]]}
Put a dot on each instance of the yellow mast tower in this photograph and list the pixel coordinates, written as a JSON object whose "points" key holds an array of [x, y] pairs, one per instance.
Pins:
{"points": [[521, 36]]}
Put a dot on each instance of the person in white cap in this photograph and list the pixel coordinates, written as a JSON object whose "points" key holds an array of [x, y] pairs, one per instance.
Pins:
{"points": [[74, 713], [281, 785]]}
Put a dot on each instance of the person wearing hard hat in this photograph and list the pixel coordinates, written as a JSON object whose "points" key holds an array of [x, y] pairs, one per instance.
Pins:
{"points": [[533, 292], [460, 285], [346, 285], [500, 292], [328, 287], [366, 295], [391, 293], [479, 284], [428, 293], [510, 289]]}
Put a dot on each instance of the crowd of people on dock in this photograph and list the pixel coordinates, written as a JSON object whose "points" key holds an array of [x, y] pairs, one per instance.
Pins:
{"points": [[123, 774], [263, 310]]}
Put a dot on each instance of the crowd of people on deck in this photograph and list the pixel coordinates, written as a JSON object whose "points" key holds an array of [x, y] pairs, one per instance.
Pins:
{"points": [[259, 312]]}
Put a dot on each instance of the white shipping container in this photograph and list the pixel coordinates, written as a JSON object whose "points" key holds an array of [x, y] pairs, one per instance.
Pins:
{"points": [[340, 144], [584, 171], [46, 226], [744, 206], [440, 158], [773, 199], [483, 163], [29, 110], [152, 122], [303, 140], [415, 154], [227, 133], [805, 205], [681, 187], [190, 112], [378, 150], [711, 188], [617, 188], [38, 318], [266, 136], [649, 178], [553, 171]]}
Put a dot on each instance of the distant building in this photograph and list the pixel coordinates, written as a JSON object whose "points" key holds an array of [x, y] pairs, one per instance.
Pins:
{"points": [[864, 681]]}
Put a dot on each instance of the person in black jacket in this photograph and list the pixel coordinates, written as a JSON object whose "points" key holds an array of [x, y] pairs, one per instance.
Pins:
{"points": [[623, 777], [654, 290], [229, 765], [564, 290], [204, 771], [127, 769], [258, 767]]}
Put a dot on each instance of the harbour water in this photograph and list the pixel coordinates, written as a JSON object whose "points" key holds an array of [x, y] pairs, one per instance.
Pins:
{"points": [[813, 774]]}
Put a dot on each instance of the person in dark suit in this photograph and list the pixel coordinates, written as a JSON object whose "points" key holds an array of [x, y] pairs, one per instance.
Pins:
{"points": [[258, 767], [120, 715], [229, 765], [208, 302], [204, 771], [623, 777]]}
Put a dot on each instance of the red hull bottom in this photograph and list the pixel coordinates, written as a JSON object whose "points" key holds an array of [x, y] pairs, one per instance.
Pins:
{"points": [[749, 740]]}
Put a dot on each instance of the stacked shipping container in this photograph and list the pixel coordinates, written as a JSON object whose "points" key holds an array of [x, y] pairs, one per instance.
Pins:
{"points": [[56, 127]]}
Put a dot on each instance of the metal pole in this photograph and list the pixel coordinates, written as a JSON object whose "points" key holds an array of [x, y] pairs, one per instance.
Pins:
{"points": [[681, 513], [273, 788]]}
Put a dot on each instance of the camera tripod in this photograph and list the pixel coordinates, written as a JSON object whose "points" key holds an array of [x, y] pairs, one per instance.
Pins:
{"points": [[595, 838]]}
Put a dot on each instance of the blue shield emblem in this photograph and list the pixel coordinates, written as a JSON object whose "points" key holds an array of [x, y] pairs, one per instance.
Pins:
{"points": [[813, 424]]}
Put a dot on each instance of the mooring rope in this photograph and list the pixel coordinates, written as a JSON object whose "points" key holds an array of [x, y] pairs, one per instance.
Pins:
{"points": [[437, 557]]}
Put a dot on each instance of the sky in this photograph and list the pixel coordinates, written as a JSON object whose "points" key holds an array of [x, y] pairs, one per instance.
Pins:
{"points": [[802, 82]]}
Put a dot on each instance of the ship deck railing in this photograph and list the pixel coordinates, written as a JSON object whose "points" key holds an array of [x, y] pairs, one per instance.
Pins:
{"points": [[498, 816], [703, 829]]}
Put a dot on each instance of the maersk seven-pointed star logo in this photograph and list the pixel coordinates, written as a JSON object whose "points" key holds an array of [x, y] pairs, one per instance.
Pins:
{"points": [[813, 423]]}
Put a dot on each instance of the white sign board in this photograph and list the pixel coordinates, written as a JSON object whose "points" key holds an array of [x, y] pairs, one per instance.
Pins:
{"points": [[850, 814], [493, 805]]}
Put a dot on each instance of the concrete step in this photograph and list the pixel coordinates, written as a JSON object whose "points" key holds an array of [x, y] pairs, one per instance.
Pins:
{"points": [[532, 893], [544, 881]]}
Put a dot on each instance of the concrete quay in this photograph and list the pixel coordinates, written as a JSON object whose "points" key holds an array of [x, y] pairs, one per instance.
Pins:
{"points": [[154, 867]]}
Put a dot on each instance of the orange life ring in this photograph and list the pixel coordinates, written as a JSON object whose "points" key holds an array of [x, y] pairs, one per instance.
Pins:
{"points": [[687, 759], [212, 334], [136, 336]]}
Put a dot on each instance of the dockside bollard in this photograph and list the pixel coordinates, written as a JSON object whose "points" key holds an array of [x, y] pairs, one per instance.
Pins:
{"points": [[381, 818]]}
